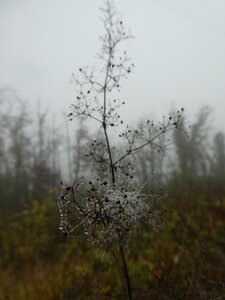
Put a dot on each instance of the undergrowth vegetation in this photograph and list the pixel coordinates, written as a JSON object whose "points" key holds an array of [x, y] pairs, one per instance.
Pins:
{"points": [[185, 260]]}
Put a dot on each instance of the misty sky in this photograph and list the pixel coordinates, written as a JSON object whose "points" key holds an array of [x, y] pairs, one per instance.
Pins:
{"points": [[178, 51]]}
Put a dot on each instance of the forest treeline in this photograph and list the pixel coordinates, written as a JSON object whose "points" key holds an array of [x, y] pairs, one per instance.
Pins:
{"points": [[36, 154], [185, 260]]}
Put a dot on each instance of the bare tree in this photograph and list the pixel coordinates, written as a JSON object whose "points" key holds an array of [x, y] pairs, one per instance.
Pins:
{"points": [[191, 162], [27, 147]]}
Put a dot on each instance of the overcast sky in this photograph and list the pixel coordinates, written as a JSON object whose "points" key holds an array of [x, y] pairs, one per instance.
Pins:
{"points": [[178, 51]]}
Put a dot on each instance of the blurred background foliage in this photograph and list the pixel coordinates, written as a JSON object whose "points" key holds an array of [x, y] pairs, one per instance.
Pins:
{"points": [[184, 260]]}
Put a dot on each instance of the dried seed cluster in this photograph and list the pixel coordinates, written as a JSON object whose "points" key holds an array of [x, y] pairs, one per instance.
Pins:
{"points": [[105, 213]]}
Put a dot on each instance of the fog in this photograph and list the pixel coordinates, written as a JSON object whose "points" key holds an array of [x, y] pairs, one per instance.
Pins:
{"points": [[150, 193], [178, 51]]}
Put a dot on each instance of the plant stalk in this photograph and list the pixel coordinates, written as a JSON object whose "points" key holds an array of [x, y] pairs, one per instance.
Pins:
{"points": [[125, 271]]}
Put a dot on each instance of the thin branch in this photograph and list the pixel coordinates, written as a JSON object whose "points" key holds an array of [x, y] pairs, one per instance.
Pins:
{"points": [[131, 150]]}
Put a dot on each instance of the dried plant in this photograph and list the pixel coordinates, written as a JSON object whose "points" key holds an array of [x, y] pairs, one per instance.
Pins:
{"points": [[110, 208]]}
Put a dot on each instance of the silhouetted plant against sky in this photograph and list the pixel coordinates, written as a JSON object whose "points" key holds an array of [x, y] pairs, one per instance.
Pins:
{"points": [[110, 208]]}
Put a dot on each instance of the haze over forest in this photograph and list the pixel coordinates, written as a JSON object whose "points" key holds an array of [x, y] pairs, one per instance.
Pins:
{"points": [[178, 51], [89, 212]]}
